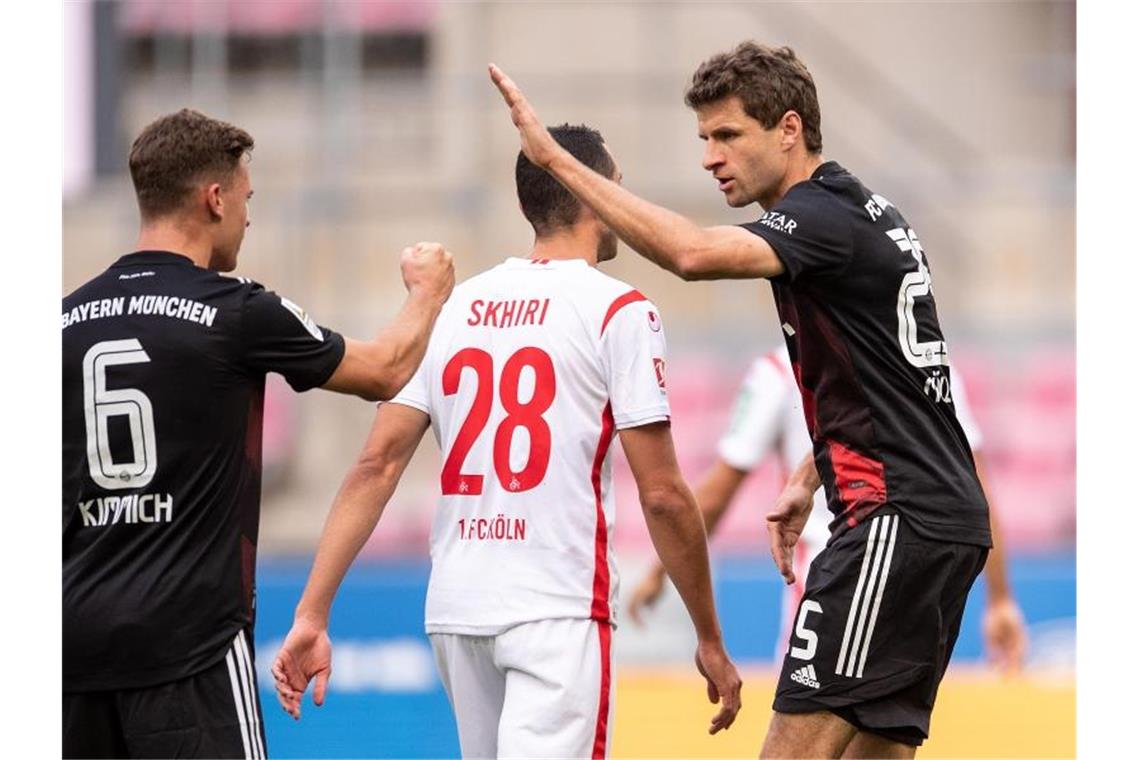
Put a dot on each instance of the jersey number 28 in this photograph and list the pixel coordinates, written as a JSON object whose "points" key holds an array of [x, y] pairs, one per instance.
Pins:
{"points": [[520, 414]]}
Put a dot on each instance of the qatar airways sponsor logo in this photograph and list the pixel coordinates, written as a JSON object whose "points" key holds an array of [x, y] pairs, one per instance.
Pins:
{"points": [[527, 311], [498, 528], [779, 222], [128, 510]]}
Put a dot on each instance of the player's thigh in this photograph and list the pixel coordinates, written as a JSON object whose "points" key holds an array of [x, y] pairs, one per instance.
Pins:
{"points": [[875, 628], [868, 745], [91, 725], [213, 713], [475, 687], [559, 700], [812, 734]]}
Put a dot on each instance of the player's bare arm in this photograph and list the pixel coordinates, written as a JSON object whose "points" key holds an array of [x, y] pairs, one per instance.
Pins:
{"points": [[1003, 625], [666, 238], [678, 535], [378, 369], [306, 653], [788, 517], [713, 494]]}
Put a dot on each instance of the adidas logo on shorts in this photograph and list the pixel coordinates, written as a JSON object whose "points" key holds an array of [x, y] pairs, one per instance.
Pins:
{"points": [[806, 676]]}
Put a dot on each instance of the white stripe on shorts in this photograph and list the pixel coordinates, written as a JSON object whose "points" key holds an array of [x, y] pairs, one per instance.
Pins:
{"points": [[858, 593], [879, 595], [868, 591], [245, 667], [238, 703]]}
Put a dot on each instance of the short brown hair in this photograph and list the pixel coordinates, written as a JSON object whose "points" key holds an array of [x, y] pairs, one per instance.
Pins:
{"points": [[545, 203], [769, 82], [175, 151]]}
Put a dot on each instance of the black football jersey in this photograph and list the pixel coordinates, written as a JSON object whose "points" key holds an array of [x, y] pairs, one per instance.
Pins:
{"points": [[857, 310], [164, 369]]}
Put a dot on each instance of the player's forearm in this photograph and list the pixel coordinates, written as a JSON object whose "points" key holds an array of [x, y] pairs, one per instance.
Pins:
{"points": [[713, 495], [678, 535], [997, 581], [399, 347], [805, 474], [715, 492], [354, 515], [666, 238]]}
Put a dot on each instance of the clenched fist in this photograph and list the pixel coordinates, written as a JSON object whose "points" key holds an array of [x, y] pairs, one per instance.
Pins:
{"points": [[427, 268]]}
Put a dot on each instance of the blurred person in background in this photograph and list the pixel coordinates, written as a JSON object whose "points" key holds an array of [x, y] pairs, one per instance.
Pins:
{"points": [[532, 367], [883, 602], [768, 418], [164, 365]]}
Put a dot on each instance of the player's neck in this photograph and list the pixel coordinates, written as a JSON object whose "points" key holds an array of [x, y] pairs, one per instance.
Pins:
{"points": [[573, 243], [176, 238], [800, 168]]}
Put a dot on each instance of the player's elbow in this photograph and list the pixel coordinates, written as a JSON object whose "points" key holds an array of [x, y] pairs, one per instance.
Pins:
{"points": [[392, 369], [688, 264], [698, 256], [385, 388], [666, 501], [373, 465]]}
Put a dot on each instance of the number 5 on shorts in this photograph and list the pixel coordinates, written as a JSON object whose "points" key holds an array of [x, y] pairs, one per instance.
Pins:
{"points": [[807, 652]]}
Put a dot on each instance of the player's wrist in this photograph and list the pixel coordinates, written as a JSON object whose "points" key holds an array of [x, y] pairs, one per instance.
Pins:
{"points": [[560, 162], [998, 598], [313, 617], [711, 638]]}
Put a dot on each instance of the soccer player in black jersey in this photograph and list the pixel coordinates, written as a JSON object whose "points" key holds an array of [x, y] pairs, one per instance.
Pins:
{"points": [[883, 601], [164, 363]]}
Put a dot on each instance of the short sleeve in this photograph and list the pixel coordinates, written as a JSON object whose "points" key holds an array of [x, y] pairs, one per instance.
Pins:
{"points": [[756, 417], [416, 393], [279, 336], [633, 357], [965, 414], [810, 233]]}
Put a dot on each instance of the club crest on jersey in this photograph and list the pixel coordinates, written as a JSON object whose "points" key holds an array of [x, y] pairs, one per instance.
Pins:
{"points": [[302, 317], [654, 322], [659, 368], [779, 222]]}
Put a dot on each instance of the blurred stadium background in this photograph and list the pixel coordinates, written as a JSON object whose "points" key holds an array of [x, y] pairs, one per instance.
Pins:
{"points": [[376, 126]]}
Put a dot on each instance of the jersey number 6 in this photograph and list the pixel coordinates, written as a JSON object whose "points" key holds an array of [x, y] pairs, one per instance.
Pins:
{"points": [[526, 415], [101, 403]]}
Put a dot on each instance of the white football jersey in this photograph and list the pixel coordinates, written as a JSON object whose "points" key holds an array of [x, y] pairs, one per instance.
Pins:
{"points": [[532, 367]]}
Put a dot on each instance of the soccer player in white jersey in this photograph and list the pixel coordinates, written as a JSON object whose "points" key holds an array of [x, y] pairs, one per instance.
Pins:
{"points": [[767, 418], [532, 367]]}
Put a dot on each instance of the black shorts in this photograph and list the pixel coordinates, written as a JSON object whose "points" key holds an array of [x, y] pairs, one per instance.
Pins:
{"points": [[213, 713], [875, 628]]}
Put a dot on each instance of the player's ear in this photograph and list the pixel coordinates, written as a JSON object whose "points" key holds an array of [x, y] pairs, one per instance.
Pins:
{"points": [[791, 127], [214, 203]]}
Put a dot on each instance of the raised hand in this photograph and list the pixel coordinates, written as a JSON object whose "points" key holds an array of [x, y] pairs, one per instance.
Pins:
{"points": [[537, 143], [722, 681], [306, 653], [428, 268]]}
